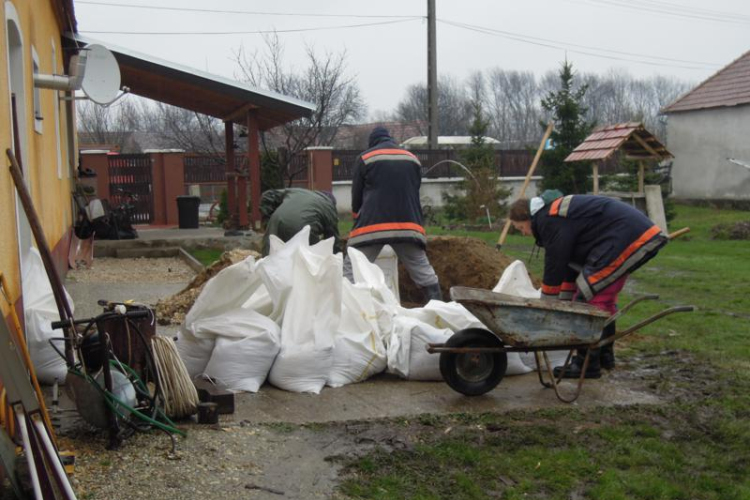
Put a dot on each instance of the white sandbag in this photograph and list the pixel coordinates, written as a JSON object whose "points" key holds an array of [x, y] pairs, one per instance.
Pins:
{"points": [[40, 310], [441, 315], [407, 349], [246, 345], [370, 277], [311, 316], [277, 273], [517, 282], [226, 291], [358, 351], [195, 352], [387, 261]]}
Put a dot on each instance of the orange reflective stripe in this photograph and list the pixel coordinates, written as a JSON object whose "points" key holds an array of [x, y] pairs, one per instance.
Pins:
{"points": [[568, 286], [632, 248], [555, 208], [550, 290], [378, 152], [388, 226]]}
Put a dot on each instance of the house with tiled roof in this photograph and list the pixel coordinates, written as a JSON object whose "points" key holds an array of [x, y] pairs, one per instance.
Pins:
{"points": [[707, 131]]}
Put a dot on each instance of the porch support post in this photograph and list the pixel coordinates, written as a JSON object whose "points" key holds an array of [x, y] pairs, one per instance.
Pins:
{"points": [[253, 156], [231, 173]]}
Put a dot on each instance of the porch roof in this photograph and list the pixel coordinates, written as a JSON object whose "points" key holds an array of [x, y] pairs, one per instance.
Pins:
{"points": [[199, 91]]}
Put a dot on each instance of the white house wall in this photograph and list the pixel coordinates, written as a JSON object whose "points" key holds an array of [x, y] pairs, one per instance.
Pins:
{"points": [[701, 142]]}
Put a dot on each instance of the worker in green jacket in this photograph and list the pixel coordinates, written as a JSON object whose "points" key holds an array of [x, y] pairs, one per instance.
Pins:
{"points": [[286, 212]]}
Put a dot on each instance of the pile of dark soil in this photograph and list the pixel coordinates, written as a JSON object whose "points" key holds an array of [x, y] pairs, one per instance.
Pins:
{"points": [[736, 231], [458, 261]]}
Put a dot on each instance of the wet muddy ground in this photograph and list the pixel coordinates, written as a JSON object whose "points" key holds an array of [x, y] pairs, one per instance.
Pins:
{"points": [[244, 459]]}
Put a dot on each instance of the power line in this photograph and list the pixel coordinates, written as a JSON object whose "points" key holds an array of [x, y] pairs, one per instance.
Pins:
{"points": [[668, 9], [257, 32], [254, 13], [555, 44]]}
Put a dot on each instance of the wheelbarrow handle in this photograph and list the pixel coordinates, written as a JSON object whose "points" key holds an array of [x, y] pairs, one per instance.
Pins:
{"points": [[641, 298], [638, 326]]}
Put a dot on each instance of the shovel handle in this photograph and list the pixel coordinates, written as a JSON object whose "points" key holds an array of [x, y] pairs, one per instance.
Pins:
{"points": [[679, 233]]}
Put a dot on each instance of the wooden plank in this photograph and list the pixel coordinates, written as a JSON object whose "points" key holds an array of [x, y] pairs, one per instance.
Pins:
{"points": [[655, 207], [596, 178]]}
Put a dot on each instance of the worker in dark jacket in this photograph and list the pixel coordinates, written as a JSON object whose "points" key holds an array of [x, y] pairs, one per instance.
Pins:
{"points": [[387, 210], [287, 211], [592, 243]]}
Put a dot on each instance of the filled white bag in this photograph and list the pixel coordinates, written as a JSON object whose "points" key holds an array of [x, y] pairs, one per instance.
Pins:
{"points": [[194, 352], [277, 273], [40, 310], [358, 351], [246, 345], [370, 277], [226, 291], [311, 315], [407, 349]]}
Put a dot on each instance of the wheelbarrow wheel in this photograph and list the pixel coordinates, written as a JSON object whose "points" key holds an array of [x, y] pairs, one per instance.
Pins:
{"points": [[473, 374]]}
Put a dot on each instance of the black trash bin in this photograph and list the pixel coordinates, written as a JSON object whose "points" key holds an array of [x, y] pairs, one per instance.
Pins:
{"points": [[187, 211]]}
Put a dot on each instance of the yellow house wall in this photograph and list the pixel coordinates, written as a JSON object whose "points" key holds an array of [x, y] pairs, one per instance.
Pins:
{"points": [[50, 187]]}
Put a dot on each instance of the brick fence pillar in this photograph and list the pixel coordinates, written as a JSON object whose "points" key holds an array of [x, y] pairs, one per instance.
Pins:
{"points": [[320, 168]]}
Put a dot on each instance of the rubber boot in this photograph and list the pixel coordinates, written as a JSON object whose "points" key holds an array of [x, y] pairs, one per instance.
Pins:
{"points": [[432, 292], [576, 366], [607, 355]]}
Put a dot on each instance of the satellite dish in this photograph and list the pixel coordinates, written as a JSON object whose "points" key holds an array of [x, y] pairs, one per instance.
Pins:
{"points": [[101, 80]]}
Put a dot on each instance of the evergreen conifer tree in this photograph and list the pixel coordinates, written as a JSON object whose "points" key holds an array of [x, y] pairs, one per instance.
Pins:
{"points": [[571, 128]]}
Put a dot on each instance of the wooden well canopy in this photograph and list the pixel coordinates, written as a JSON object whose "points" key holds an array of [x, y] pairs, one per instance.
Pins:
{"points": [[631, 138]]}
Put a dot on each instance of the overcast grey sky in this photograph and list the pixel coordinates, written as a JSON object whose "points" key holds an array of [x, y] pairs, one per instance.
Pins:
{"points": [[687, 39]]}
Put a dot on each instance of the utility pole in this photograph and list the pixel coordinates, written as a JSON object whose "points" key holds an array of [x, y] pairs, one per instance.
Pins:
{"points": [[432, 91]]}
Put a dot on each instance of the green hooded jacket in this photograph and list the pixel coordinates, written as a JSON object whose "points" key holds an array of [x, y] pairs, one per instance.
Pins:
{"points": [[288, 211]]}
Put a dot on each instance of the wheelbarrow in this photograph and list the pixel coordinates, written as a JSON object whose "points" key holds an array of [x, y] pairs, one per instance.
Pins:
{"points": [[473, 361]]}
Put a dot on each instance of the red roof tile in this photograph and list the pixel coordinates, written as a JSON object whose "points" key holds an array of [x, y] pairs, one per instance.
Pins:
{"points": [[604, 141], [730, 86]]}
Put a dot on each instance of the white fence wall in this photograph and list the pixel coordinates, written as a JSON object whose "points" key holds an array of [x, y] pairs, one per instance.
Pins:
{"points": [[432, 191]]}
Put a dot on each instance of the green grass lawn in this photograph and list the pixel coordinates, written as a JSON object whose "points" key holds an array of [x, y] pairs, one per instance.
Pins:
{"points": [[695, 447]]}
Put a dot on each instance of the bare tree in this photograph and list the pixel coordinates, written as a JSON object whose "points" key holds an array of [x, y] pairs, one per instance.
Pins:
{"points": [[179, 128], [514, 110], [325, 82], [454, 107], [109, 125]]}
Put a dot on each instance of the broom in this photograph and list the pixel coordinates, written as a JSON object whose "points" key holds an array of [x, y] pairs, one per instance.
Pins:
{"points": [[179, 393]]}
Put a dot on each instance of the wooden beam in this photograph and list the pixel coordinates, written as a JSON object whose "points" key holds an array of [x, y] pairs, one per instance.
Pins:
{"points": [[646, 146], [641, 176], [240, 114], [231, 178], [253, 156], [596, 178]]}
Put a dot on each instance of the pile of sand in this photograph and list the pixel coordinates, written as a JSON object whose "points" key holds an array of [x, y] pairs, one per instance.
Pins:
{"points": [[174, 309], [458, 261]]}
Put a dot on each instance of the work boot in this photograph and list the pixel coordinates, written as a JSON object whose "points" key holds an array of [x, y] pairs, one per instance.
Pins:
{"points": [[576, 366], [432, 292], [607, 355]]}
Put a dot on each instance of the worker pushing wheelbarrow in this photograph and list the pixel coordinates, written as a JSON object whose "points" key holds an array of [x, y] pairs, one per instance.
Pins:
{"points": [[592, 244], [474, 360]]}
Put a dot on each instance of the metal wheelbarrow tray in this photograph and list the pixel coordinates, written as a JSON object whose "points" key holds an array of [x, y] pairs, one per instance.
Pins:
{"points": [[474, 360]]}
